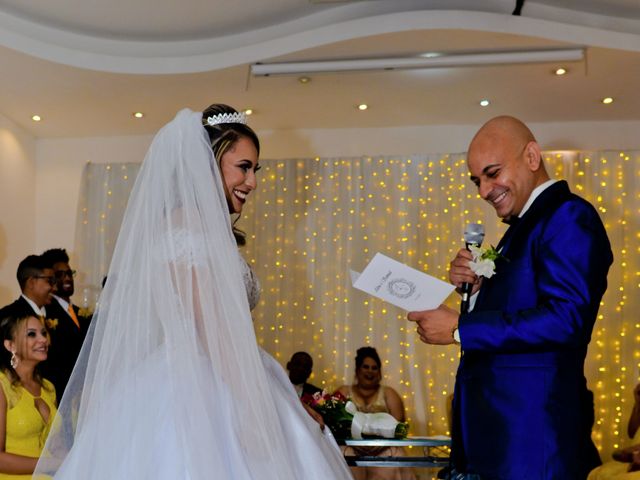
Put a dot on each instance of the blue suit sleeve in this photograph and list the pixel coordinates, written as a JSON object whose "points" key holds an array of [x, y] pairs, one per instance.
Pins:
{"points": [[549, 293]]}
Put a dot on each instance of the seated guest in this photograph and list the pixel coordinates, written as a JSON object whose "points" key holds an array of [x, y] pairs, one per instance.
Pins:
{"points": [[37, 283], [27, 401], [67, 327], [626, 462], [370, 396], [300, 367]]}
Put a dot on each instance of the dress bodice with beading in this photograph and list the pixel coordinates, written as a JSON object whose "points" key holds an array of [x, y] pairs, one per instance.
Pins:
{"points": [[251, 283], [187, 248]]}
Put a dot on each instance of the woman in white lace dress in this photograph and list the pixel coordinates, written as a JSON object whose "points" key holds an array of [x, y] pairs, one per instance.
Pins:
{"points": [[170, 383]]}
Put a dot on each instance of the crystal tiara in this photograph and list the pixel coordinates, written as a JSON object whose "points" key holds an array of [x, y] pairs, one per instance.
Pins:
{"points": [[238, 117]]}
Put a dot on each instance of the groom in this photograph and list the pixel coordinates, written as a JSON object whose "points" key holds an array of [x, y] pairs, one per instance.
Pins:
{"points": [[521, 406]]}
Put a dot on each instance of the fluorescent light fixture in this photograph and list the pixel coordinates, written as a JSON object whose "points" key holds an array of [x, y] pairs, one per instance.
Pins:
{"points": [[447, 60]]}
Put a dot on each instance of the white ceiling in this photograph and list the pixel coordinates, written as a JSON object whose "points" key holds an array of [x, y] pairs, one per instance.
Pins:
{"points": [[85, 65]]}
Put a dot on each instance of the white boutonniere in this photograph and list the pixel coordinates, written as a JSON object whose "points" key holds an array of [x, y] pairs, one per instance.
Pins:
{"points": [[484, 260]]}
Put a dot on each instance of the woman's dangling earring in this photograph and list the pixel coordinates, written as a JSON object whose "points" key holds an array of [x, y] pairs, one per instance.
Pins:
{"points": [[14, 360]]}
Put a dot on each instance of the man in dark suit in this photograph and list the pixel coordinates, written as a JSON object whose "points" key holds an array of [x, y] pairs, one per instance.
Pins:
{"points": [[300, 367], [37, 283], [67, 327], [522, 409]]}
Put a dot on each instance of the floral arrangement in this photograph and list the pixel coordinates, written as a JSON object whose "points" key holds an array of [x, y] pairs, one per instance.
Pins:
{"points": [[345, 421], [333, 411], [484, 260]]}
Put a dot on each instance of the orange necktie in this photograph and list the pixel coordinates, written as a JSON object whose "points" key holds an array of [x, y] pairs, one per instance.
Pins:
{"points": [[72, 314]]}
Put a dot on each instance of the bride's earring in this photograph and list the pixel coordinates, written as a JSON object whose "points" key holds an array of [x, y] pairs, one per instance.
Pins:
{"points": [[14, 360]]}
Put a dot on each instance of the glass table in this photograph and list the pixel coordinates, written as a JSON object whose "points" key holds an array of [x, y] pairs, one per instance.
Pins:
{"points": [[434, 452]]}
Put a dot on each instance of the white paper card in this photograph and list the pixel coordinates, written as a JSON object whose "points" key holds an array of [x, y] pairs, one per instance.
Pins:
{"points": [[401, 285]]}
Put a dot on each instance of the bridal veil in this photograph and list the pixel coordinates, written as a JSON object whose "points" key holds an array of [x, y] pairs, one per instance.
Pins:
{"points": [[170, 383]]}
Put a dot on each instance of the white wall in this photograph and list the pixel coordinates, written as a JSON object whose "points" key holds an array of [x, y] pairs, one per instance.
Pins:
{"points": [[17, 203], [59, 169], [60, 161]]}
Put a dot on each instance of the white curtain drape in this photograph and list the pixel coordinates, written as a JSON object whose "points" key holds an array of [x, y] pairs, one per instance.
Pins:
{"points": [[104, 193], [312, 220]]}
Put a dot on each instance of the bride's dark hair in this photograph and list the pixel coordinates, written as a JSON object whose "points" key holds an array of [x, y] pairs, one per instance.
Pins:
{"points": [[223, 136]]}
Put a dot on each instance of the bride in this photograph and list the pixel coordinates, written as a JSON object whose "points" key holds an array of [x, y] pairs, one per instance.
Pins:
{"points": [[170, 383]]}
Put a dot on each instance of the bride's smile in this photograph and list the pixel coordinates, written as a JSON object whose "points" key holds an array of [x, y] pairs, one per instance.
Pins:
{"points": [[238, 166]]}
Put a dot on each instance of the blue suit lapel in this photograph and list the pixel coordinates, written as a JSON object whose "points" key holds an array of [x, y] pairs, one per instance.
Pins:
{"points": [[548, 201]]}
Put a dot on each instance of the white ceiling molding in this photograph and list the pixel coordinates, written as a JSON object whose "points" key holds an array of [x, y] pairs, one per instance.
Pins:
{"points": [[68, 60], [355, 20], [442, 60]]}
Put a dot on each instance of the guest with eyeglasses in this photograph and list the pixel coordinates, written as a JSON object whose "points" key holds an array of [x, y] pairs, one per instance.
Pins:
{"points": [[37, 284], [67, 325]]}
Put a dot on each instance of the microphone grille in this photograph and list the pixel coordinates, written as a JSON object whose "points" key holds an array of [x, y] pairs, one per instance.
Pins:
{"points": [[474, 233]]}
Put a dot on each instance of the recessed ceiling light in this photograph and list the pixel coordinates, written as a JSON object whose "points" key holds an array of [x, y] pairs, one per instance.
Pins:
{"points": [[484, 103], [248, 111], [607, 100], [431, 55], [36, 118], [138, 114], [363, 106], [304, 80], [560, 71]]}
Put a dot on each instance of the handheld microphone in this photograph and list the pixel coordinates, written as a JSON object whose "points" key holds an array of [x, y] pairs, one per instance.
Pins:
{"points": [[473, 235]]}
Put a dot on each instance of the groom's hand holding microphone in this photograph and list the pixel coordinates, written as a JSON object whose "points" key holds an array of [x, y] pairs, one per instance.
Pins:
{"points": [[461, 275], [440, 326]]}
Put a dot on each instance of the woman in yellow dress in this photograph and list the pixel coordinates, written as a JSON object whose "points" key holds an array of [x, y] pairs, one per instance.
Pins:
{"points": [[27, 401]]}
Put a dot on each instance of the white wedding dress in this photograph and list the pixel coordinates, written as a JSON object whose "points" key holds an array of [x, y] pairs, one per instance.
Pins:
{"points": [[170, 383]]}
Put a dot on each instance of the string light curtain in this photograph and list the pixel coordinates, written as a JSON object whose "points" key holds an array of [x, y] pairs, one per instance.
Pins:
{"points": [[104, 192], [611, 182], [311, 221]]}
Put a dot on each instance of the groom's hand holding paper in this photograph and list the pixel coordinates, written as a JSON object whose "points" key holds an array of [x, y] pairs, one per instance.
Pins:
{"points": [[418, 293], [436, 327], [401, 285]]}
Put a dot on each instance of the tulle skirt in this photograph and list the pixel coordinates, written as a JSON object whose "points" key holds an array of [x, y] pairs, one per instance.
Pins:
{"points": [[137, 436]]}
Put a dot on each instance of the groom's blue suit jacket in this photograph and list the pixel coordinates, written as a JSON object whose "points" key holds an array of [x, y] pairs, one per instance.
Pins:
{"points": [[521, 408]]}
